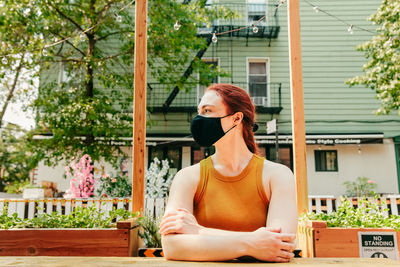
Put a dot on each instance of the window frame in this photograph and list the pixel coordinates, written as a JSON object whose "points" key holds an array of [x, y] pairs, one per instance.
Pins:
{"points": [[267, 61], [320, 163]]}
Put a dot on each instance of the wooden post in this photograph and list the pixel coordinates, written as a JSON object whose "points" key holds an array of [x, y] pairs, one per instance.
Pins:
{"points": [[298, 123], [139, 106]]}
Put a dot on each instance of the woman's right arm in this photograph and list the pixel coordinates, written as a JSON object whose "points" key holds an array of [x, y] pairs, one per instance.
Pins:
{"points": [[197, 243]]}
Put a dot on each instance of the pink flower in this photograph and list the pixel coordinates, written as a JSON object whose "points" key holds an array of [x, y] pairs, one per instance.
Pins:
{"points": [[114, 180], [370, 182]]}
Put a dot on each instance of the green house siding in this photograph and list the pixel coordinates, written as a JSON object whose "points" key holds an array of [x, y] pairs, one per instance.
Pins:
{"points": [[329, 59]]}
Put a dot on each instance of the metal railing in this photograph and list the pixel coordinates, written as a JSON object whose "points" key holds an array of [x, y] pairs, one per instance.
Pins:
{"points": [[262, 94], [246, 15]]}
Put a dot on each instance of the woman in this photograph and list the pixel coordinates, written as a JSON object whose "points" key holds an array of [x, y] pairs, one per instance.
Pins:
{"points": [[233, 203]]}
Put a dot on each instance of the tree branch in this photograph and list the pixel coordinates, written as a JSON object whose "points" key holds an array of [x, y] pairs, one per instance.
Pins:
{"points": [[65, 16], [12, 89], [68, 42]]}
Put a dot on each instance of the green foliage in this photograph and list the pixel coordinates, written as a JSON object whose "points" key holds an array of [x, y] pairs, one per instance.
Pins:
{"points": [[381, 72], [16, 187], [85, 93], [369, 214], [16, 157], [150, 234], [361, 187], [81, 217], [118, 186]]}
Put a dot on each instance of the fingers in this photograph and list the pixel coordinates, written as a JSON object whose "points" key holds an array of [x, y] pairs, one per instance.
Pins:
{"points": [[184, 210], [274, 229], [170, 228], [287, 237], [288, 246], [286, 255]]}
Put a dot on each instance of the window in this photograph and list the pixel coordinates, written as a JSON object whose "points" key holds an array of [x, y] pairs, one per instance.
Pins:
{"points": [[173, 154], [199, 153], [205, 79], [326, 161], [258, 81], [256, 9]]}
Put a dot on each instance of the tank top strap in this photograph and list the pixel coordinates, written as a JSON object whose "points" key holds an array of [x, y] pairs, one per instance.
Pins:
{"points": [[259, 178], [205, 166]]}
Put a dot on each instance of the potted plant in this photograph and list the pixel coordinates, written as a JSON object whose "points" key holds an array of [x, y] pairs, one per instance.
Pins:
{"points": [[341, 233], [83, 232], [151, 239]]}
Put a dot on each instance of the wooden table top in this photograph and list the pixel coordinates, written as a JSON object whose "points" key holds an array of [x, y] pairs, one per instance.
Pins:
{"points": [[160, 262]]}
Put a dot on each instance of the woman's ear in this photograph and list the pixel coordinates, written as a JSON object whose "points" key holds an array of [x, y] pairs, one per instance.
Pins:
{"points": [[238, 117]]}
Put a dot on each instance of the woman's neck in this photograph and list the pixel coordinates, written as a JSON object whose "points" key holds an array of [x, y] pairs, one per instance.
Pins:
{"points": [[232, 155]]}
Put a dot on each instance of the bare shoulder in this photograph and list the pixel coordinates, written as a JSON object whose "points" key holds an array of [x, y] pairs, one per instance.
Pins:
{"points": [[277, 173], [188, 176]]}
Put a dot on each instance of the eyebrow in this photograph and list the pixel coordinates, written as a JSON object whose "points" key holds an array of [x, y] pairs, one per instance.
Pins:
{"points": [[206, 105]]}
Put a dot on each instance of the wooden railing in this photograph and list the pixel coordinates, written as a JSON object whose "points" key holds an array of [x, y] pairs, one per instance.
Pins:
{"points": [[28, 208]]}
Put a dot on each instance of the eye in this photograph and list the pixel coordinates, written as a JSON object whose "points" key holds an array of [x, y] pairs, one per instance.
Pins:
{"points": [[206, 110]]}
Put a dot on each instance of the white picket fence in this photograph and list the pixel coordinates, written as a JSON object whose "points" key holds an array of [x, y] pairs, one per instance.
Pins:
{"points": [[28, 208], [328, 204]]}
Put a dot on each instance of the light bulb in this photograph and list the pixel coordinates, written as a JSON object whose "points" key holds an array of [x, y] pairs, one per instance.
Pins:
{"points": [[255, 29], [316, 9], [319, 147], [4, 60], [177, 26], [45, 52], [82, 37], [282, 2], [118, 18], [214, 38], [359, 149], [350, 29]]}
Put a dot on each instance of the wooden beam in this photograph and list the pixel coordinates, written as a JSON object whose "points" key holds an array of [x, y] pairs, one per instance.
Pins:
{"points": [[139, 106], [297, 100]]}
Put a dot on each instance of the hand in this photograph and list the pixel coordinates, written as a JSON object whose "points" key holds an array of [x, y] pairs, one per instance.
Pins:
{"points": [[180, 221], [269, 244]]}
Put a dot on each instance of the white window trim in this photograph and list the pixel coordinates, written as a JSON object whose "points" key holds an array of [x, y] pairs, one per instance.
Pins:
{"points": [[266, 12], [207, 59], [267, 61]]}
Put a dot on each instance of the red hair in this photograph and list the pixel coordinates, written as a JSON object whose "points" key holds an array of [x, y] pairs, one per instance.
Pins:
{"points": [[238, 100]]}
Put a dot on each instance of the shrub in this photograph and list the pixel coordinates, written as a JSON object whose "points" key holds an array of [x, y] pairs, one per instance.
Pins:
{"points": [[362, 186], [369, 214]]}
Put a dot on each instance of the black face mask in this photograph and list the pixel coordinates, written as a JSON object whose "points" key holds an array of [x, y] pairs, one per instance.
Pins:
{"points": [[207, 130]]}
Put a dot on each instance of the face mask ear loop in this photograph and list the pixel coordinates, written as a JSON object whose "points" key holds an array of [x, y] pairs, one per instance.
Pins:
{"points": [[230, 129]]}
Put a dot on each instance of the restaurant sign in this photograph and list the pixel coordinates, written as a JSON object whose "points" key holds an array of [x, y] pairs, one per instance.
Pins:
{"points": [[378, 245], [326, 141]]}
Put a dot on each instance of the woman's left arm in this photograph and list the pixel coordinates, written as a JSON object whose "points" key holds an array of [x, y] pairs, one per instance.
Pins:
{"points": [[282, 211]]}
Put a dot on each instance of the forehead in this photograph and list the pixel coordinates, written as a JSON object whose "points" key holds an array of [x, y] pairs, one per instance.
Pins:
{"points": [[211, 98]]}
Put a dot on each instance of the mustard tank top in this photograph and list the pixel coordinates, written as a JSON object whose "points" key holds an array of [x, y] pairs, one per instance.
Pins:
{"points": [[236, 203]]}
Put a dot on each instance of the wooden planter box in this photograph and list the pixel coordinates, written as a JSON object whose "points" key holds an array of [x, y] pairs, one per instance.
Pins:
{"points": [[120, 241], [315, 239]]}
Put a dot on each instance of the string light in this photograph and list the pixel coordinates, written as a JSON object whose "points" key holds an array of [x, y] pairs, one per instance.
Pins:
{"points": [[4, 60], [350, 29], [214, 38], [118, 18], [255, 29], [177, 26], [351, 26], [82, 37], [359, 149], [72, 36]]}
